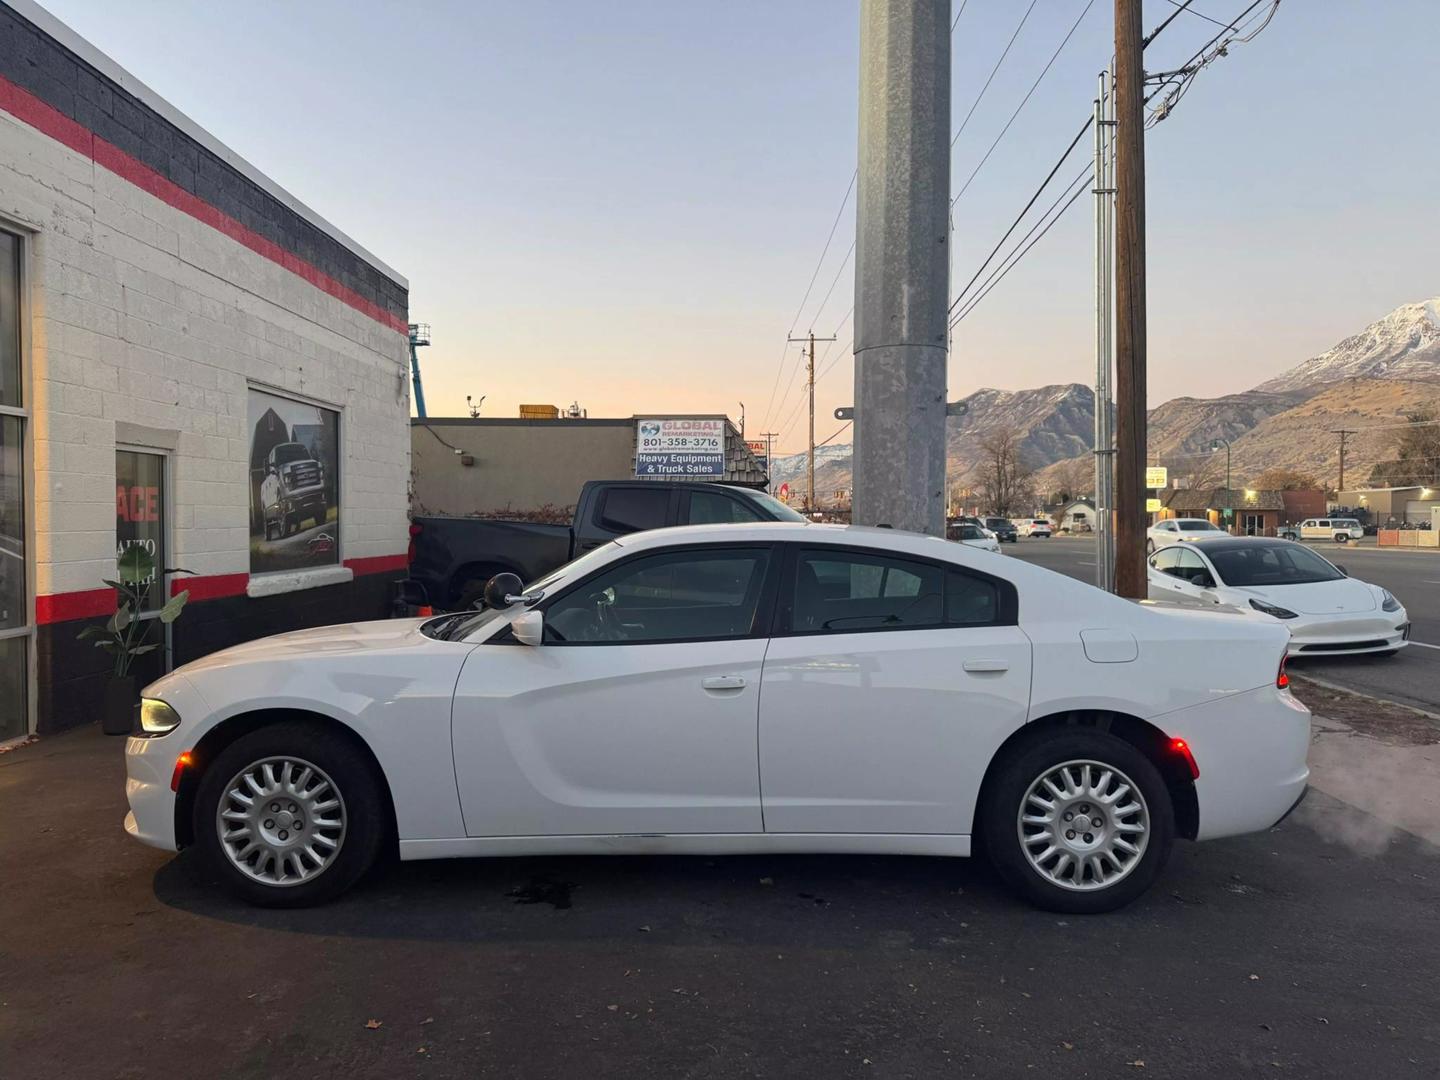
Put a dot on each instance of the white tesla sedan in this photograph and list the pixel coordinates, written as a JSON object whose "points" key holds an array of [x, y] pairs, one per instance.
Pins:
{"points": [[1326, 611], [767, 687]]}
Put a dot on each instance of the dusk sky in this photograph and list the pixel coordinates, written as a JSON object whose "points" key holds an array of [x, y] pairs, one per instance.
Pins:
{"points": [[622, 203]]}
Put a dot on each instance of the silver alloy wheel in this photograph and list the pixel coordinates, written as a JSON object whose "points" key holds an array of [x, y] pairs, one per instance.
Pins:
{"points": [[1083, 825], [281, 821]]}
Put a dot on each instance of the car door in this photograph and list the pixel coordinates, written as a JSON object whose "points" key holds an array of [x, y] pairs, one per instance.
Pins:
{"points": [[636, 714], [1176, 570], [887, 688]]}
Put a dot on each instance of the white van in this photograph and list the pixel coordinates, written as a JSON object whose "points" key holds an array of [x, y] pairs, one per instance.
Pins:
{"points": [[1340, 530]]}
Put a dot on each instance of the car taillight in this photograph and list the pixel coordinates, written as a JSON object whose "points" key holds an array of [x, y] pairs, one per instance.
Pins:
{"points": [[1282, 681], [1181, 748], [415, 530]]}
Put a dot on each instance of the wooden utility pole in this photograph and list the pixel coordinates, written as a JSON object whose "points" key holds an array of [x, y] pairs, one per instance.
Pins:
{"points": [[1343, 433], [1129, 301], [810, 387]]}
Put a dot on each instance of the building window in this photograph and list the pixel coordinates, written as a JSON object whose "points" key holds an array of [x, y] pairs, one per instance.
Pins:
{"points": [[294, 484], [15, 626], [140, 515]]}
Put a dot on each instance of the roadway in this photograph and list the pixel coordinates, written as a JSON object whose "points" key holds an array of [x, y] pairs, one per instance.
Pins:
{"points": [[1412, 677]]}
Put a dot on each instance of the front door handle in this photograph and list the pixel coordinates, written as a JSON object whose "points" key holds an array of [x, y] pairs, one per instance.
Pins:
{"points": [[987, 665], [724, 682]]}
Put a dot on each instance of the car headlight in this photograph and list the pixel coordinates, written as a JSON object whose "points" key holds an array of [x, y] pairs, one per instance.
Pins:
{"points": [[157, 718], [1273, 609], [1388, 602]]}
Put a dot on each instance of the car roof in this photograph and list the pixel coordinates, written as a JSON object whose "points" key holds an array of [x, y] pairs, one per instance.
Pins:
{"points": [[1220, 542]]}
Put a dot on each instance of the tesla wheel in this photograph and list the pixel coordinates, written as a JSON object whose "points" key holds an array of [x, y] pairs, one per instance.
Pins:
{"points": [[1079, 823], [289, 816]]}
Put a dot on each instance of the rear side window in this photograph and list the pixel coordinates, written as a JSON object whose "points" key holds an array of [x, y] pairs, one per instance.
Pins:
{"points": [[634, 509], [710, 508], [840, 591]]}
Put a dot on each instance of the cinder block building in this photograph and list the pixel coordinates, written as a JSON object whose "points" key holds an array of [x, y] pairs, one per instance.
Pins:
{"points": [[191, 360]]}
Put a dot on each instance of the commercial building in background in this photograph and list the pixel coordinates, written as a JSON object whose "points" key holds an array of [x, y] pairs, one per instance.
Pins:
{"points": [[533, 467], [1393, 505], [190, 360]]}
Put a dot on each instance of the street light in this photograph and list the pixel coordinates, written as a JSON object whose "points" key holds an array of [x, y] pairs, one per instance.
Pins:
{"points": [[1215, 444]]}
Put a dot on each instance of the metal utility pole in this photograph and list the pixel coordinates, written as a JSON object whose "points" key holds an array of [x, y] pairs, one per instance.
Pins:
{"points": [[1130, 387], [901, 264], [742, 420], [810, 386], [769, 453], [1104, 313], [1344, 433]]}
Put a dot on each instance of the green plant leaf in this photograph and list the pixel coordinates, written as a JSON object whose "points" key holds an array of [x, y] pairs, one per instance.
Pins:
{"points": [[120, 620], [135, 565], [142, 649], [114, 648], [91, 631], [171, 611], [113, 584]]}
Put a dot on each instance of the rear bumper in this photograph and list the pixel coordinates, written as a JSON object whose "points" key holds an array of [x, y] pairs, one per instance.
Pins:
{"points": [[1251, 751]]}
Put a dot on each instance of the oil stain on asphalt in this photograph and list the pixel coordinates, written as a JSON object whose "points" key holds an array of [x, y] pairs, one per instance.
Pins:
{"points": [[544, 890]]}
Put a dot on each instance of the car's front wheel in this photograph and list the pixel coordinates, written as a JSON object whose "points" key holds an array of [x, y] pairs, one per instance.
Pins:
{"points": [[1080, 822], [289, 815]]}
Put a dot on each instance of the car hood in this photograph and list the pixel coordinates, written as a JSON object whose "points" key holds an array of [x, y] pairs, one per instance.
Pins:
{"points": [[339, 640], [1344, 597]]}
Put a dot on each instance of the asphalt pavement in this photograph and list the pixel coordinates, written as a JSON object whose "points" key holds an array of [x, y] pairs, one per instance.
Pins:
{"points": [[1309, 950], [1412, 677]]}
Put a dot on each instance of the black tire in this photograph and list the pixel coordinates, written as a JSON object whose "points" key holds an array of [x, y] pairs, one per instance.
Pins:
{"points": [[1008, 788], [350, 771]]}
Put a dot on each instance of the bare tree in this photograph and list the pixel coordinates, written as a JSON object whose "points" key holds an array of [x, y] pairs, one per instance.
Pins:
{"points": [[1004, 482], [1072, 479], [1284, 478]]}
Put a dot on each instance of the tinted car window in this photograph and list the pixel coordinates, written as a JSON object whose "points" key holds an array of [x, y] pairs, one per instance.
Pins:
{"points": [[1197, 526], [1272, 564], [837, 591], [971, 532], [1167, 559], [635, 509], [676, 596], [709, 508]]}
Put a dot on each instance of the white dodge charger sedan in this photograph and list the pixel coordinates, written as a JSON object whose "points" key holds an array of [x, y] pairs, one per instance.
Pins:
{"points": [[1327, 612], [734, 688]]}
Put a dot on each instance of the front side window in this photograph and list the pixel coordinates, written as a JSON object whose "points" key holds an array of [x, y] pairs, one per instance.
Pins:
{"points": [[1191, 567], [1167, 559], [697, 595], [711, 508], [140, 518], [837, 591]]}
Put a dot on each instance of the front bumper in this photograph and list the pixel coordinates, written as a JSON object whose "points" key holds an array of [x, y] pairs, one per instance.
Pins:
{"points": [[149, 765], [1349, 636]]}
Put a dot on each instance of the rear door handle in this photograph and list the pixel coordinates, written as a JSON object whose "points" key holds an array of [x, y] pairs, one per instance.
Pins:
{"points": [[987, 665], [724, 682]]}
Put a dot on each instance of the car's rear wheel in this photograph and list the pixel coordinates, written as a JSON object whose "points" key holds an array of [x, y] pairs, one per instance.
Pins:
{"points": [[289, 815], [1079, 823]]}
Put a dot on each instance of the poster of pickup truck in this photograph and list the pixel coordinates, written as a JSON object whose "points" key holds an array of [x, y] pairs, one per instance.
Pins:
{"points": [[294, 484]]}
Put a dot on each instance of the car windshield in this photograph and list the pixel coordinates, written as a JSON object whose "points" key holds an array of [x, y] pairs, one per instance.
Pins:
{"points": [[1270, 564], [971, 532], [998, 523], [1197, 526], [773, 506], [287, 452], [461, 624]]}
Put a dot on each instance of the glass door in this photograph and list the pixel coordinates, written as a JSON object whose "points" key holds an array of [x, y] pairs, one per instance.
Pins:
{"points": [[15, 622], [140, 521]]}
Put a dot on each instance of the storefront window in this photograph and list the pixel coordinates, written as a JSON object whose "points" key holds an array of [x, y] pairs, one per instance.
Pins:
{"points": [[10, 320], [140, 515], [14, 597], [294, 484]]}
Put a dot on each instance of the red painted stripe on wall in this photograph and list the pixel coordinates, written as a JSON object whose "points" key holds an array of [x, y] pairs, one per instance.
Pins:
{"points": [[44, 118], [61, 607]]}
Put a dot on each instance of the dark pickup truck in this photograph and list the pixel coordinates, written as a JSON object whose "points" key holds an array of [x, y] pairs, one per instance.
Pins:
{"points": [[451, 558]]}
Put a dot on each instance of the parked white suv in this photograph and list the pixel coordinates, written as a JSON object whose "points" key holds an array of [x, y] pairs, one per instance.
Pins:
{"points": [[1340, 530]]}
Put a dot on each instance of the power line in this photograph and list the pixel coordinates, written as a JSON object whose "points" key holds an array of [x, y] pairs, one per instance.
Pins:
{"points": [[958, 14], [1024, 101], [1186, 7], [993, 70]]}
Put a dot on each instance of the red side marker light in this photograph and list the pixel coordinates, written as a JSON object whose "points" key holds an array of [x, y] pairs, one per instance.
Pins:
{"points": [[1181, 747], [1282, 680], [183, 762]]}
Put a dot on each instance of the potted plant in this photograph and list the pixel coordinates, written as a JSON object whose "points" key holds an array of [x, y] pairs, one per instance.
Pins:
{"points": [[125, 634]]}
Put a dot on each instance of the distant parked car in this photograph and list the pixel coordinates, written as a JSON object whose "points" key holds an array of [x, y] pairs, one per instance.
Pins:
{"points": [[1002, 528], [973, 536], [1035, 527], [1340, 530], [1179, 531], [1326, 611]]}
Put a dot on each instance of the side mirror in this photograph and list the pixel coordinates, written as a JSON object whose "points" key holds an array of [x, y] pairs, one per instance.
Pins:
{"points": [[1209, 597], [502, 590], [529, 628]]}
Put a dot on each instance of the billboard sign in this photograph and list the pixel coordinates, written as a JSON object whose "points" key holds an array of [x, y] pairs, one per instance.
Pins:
{"points": [[690, 448], [1152, 506], [1157, 476], [761, 451]]}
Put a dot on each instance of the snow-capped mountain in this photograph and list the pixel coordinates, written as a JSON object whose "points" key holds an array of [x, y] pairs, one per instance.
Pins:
{"points": [[1405, 344]]}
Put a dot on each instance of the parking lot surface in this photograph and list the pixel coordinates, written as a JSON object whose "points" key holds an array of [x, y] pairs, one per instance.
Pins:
{"points": [[1310, 950], [1412, 677]]}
